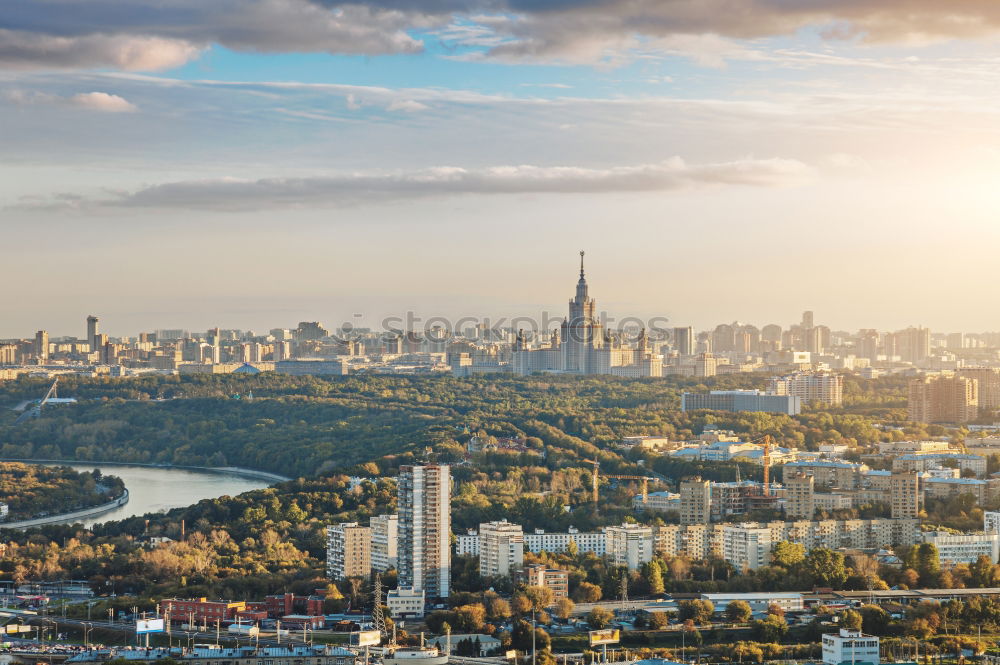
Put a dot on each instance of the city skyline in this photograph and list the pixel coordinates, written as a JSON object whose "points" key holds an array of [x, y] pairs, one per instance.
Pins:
{"points": [[309, 161]]}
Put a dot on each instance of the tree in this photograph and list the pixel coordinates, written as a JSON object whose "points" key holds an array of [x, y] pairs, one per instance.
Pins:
{"points": [[747, 652], [540, 597], [981, 572], [928, 563], [738, 611], [564, 608], [658, 620], [654, 576], [697, 610], [470, 618], [786, 554], [599, 618], [823, 567], [850, 620], [497, 608], [770, 629], [520, 637], [587, 593]]}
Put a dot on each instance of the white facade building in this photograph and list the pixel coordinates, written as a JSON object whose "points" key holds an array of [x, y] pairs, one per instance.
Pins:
{"points": [[467, 544], [746, 547], [559, 542], [629, 545], [405, 603], [850, 646], [385, 542], [501, 548], [964, 548], [424, 553], [991, 522]]}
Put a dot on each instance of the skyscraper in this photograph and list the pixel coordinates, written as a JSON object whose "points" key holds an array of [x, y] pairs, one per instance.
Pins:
{"points": [[93, 327], [684, 341], [424, 505], [581, 331], [41, 347]]}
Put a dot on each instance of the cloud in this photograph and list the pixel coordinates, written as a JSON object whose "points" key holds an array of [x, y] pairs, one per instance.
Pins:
{"points": [[406, 105], [92, 101], [232, 194], [153, 35]]}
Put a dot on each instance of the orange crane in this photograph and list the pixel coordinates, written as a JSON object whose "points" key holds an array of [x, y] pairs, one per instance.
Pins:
{"points": [[595, 480], [642, 479]]}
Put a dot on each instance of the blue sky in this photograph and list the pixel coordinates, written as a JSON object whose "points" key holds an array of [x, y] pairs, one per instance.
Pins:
{"points": [[253, 163]]}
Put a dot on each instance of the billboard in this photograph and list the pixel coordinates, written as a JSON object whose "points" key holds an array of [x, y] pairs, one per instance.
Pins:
{"points": [[366, 638], [144, 626], [606, 636]]}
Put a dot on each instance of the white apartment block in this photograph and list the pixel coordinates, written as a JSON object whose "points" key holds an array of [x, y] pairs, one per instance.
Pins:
{"points": [[850, 646], [964, 548], [746, 547], [810, 387], [424, 506], [559, 542], [991, 522], [501, 548], [467, 544], [385, 542], [629, 545]]}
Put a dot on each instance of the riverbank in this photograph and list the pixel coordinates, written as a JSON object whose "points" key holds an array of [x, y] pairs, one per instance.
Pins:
{"points": [[232, 470], [83, 513]]}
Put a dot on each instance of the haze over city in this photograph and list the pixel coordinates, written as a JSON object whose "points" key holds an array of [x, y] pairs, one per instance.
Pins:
{"points": [[184, 167]]}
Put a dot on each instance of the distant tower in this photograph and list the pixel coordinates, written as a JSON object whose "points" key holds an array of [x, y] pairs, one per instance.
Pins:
{"points": [[581, 331], [93, 328]]}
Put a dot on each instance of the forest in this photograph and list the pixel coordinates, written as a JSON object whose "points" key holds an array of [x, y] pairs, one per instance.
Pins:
{"points": [[31, 490]]}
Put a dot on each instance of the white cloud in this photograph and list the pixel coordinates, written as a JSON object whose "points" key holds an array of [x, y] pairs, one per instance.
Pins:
{"points": [[406, 105], [102, 101], [92, 101], [236, 194]]}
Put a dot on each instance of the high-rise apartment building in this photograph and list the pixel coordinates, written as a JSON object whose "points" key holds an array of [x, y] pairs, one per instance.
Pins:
{"points": [[684, 341], [799, 497], [696, 501], [41, 347], [745, 546], [914, 344], [425, 529], [904, 495], [348, 551], [989, 384], [629, 545], [501, 548], [385, 542], [93, 329], [820, 387], [705, 364], [943, 399]]}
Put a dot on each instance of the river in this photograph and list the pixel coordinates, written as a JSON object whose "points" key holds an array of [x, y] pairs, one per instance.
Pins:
{"points": [[153, 489]]}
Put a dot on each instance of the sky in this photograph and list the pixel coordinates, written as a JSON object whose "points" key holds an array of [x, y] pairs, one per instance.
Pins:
{"points": [[255, 163]]}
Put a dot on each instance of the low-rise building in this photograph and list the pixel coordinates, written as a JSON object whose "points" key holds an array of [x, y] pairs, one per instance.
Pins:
{"points": [[551, 578], [965, 547], [850, 646], [742, 400], [201, 610], [405, 602], [790, 601]]}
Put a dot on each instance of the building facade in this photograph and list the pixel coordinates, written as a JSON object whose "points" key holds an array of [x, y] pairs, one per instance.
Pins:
{"points": [[424, 504], [501, 548]]}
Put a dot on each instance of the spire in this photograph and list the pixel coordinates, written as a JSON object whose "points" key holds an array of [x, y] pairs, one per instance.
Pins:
{"points": [[581, 264]]}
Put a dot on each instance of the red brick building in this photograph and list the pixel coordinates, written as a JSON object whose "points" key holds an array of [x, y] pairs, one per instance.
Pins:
{"points": [[201, 610], [288, 603]]}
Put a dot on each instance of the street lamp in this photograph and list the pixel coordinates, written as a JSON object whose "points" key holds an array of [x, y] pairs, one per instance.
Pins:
{"points": [[87, 627]]}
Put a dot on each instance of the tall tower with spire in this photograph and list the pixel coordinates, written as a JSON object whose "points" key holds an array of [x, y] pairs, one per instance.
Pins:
{"points": [[581, 331]]}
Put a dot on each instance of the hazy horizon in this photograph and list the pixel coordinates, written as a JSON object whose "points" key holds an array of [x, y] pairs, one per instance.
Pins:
{"points": [[253, 163]]}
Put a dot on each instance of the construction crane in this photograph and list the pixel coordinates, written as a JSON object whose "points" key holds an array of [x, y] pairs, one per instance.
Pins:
{"points": [[595, 480], [644, 480], [767, 464], [36, 410]]}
